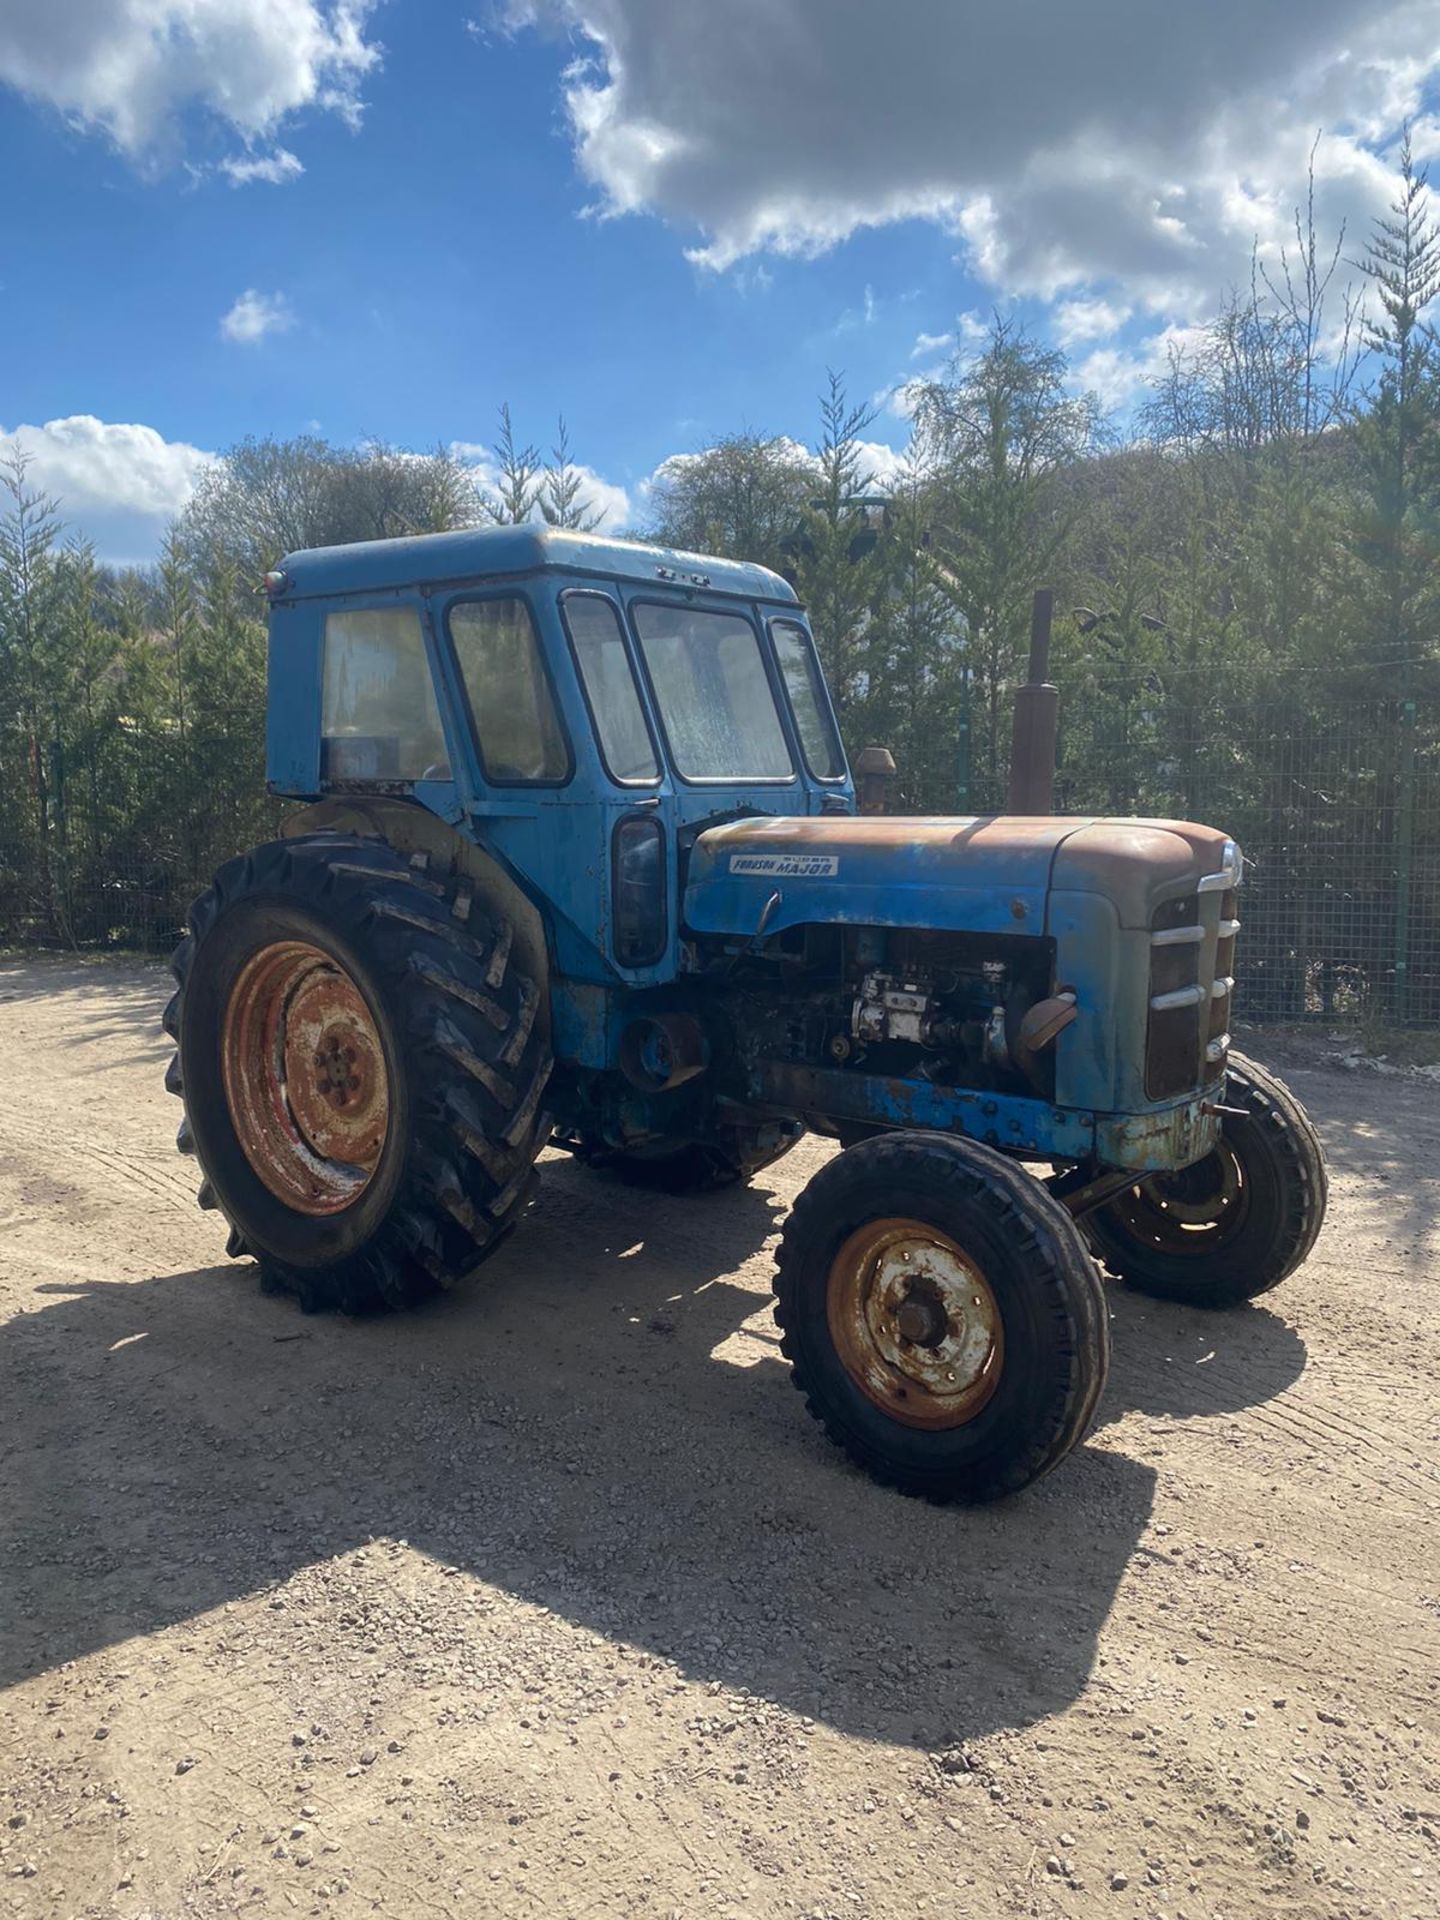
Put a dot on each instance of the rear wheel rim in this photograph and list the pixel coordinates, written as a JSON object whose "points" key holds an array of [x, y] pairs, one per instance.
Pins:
{"points": [[1195, 1211], [915, 1323], [305, 1077]]}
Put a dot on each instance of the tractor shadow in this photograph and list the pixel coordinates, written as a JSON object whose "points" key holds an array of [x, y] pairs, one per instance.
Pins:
{"points": [[601, 1425], [1181, 1363]]}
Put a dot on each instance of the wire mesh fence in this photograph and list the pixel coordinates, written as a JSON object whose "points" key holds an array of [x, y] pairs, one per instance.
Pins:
{"points": [[1336, 805], [1335, 801]]}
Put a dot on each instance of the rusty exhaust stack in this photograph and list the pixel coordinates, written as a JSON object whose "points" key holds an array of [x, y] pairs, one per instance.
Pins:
{"points": [[1037, 708], [875, 769]]}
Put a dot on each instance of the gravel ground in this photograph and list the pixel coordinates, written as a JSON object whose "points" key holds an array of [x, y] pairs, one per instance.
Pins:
{"points": [[551, 1601]]}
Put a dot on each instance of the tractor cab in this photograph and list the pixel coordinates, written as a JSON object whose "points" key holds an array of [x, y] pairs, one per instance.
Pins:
{"points": [[588, 704]]}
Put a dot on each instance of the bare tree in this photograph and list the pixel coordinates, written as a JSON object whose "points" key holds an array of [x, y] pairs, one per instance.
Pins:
{"points": [[742, 497]]}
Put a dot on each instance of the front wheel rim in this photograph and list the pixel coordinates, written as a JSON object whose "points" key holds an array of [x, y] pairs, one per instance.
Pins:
{"points": [[915, 1323], [305, 1077], [1193, 1212]]}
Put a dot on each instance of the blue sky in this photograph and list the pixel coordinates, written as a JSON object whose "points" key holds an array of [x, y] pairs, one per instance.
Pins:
{"points": [[664, 219]]}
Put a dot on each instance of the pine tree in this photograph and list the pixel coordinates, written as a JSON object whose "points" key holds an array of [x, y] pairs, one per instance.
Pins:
{"points": [[997, 435], [563, 500], [1396, 434], [837, 567], [31, 647], [519, 481]]}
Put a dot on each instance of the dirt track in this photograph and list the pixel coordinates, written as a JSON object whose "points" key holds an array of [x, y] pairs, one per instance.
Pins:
{"points": [[551, 1601]]}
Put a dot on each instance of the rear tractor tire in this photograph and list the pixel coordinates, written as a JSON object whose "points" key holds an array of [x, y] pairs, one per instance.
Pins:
{"points": [[363, 1064], [1239, 1221], [942, 1316], [696, 1166]]}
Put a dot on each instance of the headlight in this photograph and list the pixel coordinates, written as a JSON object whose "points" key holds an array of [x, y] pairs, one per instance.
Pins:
{"points": [[638, 891]]}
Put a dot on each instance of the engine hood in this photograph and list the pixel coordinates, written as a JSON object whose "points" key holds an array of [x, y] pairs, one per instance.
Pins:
{"points": [[989, 874]]}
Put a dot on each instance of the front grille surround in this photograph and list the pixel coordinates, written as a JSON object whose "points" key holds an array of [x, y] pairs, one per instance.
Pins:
{"points": [[1192, 964]]}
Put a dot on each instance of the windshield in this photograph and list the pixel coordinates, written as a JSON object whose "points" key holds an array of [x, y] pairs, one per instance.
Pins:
{"points": [[713, 694]]}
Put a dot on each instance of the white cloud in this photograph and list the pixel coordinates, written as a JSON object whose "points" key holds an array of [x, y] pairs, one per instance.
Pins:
{"points": [[1076, 321], [1141, 151], [131, 68], [254, 315], [1114, 376], [605, 497], [273, 168], [119, 483], [901, 398], [880, 465], [599, 495], [1118, 375], [931, 343]]}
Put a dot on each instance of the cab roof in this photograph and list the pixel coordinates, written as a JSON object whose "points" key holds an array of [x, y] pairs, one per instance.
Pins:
{"points": [[494, 553]]}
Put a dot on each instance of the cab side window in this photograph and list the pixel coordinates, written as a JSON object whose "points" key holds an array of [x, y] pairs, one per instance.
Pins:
{"points": [[379, 720], [800, 671], [517, 729], [600, 653]]}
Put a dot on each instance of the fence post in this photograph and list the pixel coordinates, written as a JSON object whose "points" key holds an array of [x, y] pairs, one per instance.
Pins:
{"points": [[1404, 860], [1037, 705], [962, 745], [57, 906]]}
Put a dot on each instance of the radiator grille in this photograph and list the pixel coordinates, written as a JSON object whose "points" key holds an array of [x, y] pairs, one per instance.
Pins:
{"points": [[1192, 964]]}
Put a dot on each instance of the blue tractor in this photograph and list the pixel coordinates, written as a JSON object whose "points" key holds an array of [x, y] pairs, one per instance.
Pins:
{"points": [[580, 864]]}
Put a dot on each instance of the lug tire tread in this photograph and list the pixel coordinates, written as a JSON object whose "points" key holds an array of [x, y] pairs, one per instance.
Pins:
{"points": [[455, 1205], [1044, 1240], [1285, 1132]]}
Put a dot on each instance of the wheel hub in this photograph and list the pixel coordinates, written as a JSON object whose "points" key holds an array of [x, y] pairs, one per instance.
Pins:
{"points": [[334, 1072], [920, 1321], [305, 1077], [1192, 1211], [915, 1323]]}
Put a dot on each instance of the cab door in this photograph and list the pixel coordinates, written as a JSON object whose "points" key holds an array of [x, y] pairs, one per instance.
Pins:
{"points": [[636, 800]]}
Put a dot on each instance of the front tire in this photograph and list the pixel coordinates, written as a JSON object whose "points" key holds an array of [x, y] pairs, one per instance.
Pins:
{"points": [[1238, 1222], [941, 1316], [362, 1061]]}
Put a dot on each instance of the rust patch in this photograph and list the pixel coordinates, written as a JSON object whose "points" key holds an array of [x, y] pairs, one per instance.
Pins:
{"points": [[305, 1077], [1160, 1140], [853, 833], [915, 1324]]}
